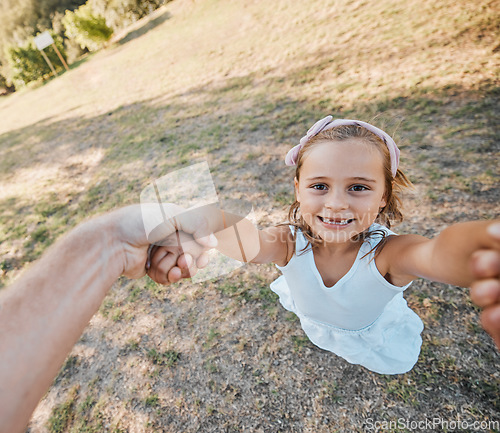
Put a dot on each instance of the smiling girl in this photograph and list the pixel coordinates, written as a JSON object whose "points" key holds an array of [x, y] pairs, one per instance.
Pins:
{"points": [[344, 271]]}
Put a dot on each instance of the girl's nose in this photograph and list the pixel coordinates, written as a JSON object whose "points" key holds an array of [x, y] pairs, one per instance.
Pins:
{"points": [[337, 200]]}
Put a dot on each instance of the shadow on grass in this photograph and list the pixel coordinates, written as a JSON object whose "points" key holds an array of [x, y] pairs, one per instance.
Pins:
{"points": [[450, 137], [126, 135], [146, 27], [81, 60]]}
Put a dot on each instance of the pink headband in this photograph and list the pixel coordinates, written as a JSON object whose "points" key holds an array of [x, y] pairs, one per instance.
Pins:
{"points": [[328, 123]]}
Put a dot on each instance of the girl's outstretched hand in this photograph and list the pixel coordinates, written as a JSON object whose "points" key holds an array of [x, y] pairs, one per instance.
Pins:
{"points": [[485, 290], [181, 247]]}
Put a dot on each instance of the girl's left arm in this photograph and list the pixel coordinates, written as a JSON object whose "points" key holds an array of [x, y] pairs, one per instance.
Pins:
{"points": [[447, 258]]}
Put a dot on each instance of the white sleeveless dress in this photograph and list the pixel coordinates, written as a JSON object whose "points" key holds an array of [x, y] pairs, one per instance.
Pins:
{"points": [[362, 318]]}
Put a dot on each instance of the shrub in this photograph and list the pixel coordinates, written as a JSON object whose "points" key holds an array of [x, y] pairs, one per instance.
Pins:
{"points": [[86, 28], [73, 49], [27, 63], [121, 13]]}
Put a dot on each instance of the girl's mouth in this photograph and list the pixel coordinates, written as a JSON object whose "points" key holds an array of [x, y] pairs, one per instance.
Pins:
{"points": [[336, 222]]}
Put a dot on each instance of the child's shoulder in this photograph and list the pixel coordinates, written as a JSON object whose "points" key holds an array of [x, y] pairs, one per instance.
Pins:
{"points": [[376, 237], [395, 251], [396, 244], [276, 245]]}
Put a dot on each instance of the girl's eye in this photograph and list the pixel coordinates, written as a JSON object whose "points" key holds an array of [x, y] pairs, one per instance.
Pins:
{"points": [[319, 187], [358, 188]]}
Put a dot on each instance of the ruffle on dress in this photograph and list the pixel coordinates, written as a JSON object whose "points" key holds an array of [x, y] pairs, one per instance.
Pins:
{"points": [[390, 345]]}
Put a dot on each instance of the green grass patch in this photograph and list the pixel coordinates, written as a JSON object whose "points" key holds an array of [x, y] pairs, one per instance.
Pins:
{"points": [[167, 358], [152, 401], [63, 414]]}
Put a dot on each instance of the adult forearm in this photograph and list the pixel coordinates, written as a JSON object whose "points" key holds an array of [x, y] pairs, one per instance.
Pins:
{"points": [[64, 289]]}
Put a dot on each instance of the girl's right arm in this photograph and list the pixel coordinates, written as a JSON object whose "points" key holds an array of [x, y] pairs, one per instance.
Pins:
{"points": [[237, 238], [240, 239]]}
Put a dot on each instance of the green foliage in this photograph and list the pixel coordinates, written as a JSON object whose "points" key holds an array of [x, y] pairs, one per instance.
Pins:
{"points": [[22, 19], [86, 27], [121, 13], [27, 63], [152, 400], [167, 358], [73, 49]]}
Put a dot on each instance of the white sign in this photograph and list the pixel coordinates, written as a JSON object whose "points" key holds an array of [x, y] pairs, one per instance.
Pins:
{"points": [[43, 40], [192, 189]]}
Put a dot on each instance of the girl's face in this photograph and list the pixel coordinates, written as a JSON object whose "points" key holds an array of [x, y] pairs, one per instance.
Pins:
{"points": [[341, 188]]}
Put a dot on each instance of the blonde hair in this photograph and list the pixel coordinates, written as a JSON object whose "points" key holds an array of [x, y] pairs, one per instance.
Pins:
{"points": [[393, 185]]}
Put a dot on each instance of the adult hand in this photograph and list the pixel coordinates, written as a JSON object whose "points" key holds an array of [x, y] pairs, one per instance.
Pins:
{"points": [[191, 257], [131, 235], [485, 290]]}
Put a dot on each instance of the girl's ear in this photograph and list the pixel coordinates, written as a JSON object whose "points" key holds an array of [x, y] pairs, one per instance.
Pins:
{"points": [[296, 183], [384, 199], [383, 202]]}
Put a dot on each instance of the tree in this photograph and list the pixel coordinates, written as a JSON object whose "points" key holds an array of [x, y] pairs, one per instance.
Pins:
{"points": [[27, 63], [86, 28], [121, 13]]}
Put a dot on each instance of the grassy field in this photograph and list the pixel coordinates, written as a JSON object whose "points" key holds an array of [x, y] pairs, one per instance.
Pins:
{"points": [[237, 83]]}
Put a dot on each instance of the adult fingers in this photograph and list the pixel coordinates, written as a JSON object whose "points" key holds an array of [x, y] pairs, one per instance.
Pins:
{"points": [[185, 261], [494, 230], [490, 319], [202, 260], [197, 225], [174, 274], [192, 250], [161, 221], [486, 263], [485, 292], [189, 268]]}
